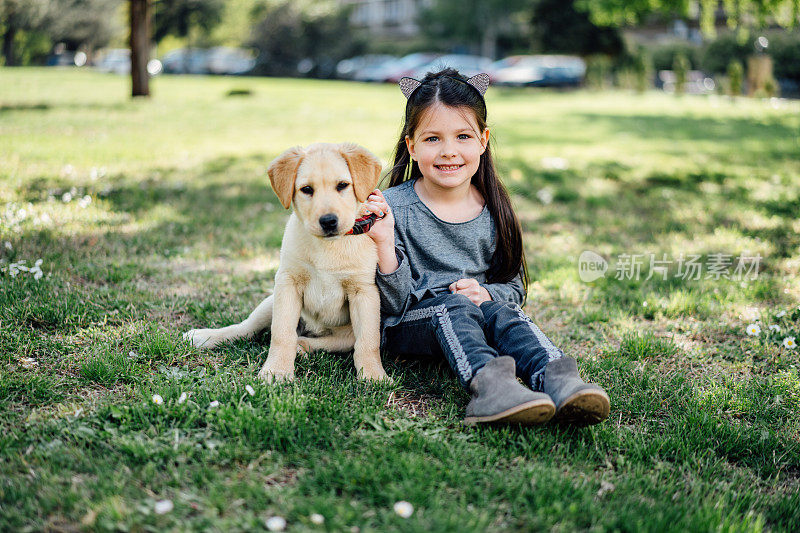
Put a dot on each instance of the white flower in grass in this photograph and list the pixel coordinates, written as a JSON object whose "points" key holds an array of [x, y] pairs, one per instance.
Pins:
{"points": [[781, 314], [157, 399], [8, 245], [275, 523], [403, 509], [318, 519], [37, 270], [753, 330], [164, 506], [28, 362], [182, 397], [250, 390], [774, 327], [644, 303], [789, 343], [213, 404], [85, 201], [66, 197]]}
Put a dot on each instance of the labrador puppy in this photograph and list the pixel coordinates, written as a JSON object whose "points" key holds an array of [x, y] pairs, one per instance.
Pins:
{"points": [[325, 296]]}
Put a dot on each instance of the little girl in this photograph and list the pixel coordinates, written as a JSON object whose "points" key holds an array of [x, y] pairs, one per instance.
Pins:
{"points": [[451, 269]]}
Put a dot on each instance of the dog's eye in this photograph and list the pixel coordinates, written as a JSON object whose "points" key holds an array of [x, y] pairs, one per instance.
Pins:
{"points": [[342, 186], [307, 190]]}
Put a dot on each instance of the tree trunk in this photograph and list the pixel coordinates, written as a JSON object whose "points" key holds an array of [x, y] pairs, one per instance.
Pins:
{"points": [[8, 46], [140, 47]]}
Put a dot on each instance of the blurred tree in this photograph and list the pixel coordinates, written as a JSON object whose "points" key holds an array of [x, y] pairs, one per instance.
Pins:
{"points": [[314, 33], [680, 66], [235, 23], [739, 13], [18, 15], [643, 70], [140, 39], [557, 26], [735, 77], [179, 17], [459, 22], [89, 24]]}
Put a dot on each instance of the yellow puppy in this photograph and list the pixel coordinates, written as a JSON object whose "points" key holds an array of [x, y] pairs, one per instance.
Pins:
{"points": [[325, 295]]}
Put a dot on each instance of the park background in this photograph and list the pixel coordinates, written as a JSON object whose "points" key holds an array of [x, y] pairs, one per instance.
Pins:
{"points": [[127, 221]]}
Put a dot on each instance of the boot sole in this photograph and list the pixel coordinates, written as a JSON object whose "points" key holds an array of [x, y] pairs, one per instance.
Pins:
{"points": [[584, 408], [530, 413]]}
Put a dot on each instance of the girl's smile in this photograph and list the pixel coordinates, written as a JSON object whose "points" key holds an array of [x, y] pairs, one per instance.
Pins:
{"points": [[448, 168]]}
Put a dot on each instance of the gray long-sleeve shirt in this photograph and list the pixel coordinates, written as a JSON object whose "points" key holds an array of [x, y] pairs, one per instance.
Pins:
{"points": [[433, 253]]}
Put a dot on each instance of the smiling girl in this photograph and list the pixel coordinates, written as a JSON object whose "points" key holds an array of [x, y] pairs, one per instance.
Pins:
{"points": [[451, 269]]}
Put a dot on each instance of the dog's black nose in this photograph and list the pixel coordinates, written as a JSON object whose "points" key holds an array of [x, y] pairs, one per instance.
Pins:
{"points": [[328, 223]]}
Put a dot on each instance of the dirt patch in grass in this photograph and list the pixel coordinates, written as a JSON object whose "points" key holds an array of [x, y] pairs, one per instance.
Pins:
{"points": [[411, 403]]}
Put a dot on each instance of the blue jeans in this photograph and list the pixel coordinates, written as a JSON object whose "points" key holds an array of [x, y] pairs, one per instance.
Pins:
{"points": [[469, 336]]}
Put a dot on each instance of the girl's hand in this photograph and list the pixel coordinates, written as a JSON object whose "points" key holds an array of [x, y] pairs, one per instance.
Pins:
{"points": [[382, 230], [470, 288]]}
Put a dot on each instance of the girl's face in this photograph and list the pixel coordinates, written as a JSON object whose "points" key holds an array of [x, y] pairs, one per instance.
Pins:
{"points": [[447, 145]]}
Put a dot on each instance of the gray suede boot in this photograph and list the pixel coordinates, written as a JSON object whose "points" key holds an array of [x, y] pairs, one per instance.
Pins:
{"points": [[497, 396], [577, 402]]}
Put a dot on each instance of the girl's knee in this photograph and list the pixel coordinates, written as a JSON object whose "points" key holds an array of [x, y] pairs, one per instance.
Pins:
{"points": [[492, 309], [460, 303]]}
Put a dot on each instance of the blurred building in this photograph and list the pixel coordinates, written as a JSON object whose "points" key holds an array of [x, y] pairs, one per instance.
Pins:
{"points": [[389, 18]]}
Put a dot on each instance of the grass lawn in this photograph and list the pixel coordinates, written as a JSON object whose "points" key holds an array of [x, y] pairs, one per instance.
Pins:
{"points": [[153, 217]]}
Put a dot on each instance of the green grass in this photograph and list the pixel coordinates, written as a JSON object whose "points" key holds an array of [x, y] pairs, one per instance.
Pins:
{"points": [[182, 230]]}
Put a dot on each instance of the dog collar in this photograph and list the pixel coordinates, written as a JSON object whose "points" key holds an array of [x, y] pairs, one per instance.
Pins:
{"points": [[363, 224]]}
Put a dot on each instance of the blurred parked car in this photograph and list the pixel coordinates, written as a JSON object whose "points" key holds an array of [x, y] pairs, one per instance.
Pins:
{"points": [[186, 61], [539, 71], [230, 61], [118, 61], [466, 64], [361, 67], [61, 58], [405, 66]]}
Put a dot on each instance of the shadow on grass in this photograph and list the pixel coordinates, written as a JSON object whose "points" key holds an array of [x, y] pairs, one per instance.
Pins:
{"points": [[73, 106]]}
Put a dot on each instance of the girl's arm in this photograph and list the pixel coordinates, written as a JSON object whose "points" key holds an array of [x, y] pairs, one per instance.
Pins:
{"points": [[393, 275], [513, 291], [396, 286]]}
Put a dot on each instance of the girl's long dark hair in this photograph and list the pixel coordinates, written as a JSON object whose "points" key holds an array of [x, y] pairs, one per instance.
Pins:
{"points": [[450, 88]]}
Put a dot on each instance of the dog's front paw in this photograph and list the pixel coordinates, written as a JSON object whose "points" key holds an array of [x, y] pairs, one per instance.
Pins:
{"points": [[270, 373], [374, 373], [203, 338], [303, 347]]}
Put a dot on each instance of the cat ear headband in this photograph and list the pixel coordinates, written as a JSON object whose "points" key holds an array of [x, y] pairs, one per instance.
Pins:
{"points": [[479, 81]]}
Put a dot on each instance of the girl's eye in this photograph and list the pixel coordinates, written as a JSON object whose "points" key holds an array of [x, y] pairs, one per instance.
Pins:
{"points": [[432, 138], [342, 186], [307, 190], [464, 136]]}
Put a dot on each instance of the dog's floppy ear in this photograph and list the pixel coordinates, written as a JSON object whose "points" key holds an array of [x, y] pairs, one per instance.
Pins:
{"points": [[283, 171], [364, 167]]}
